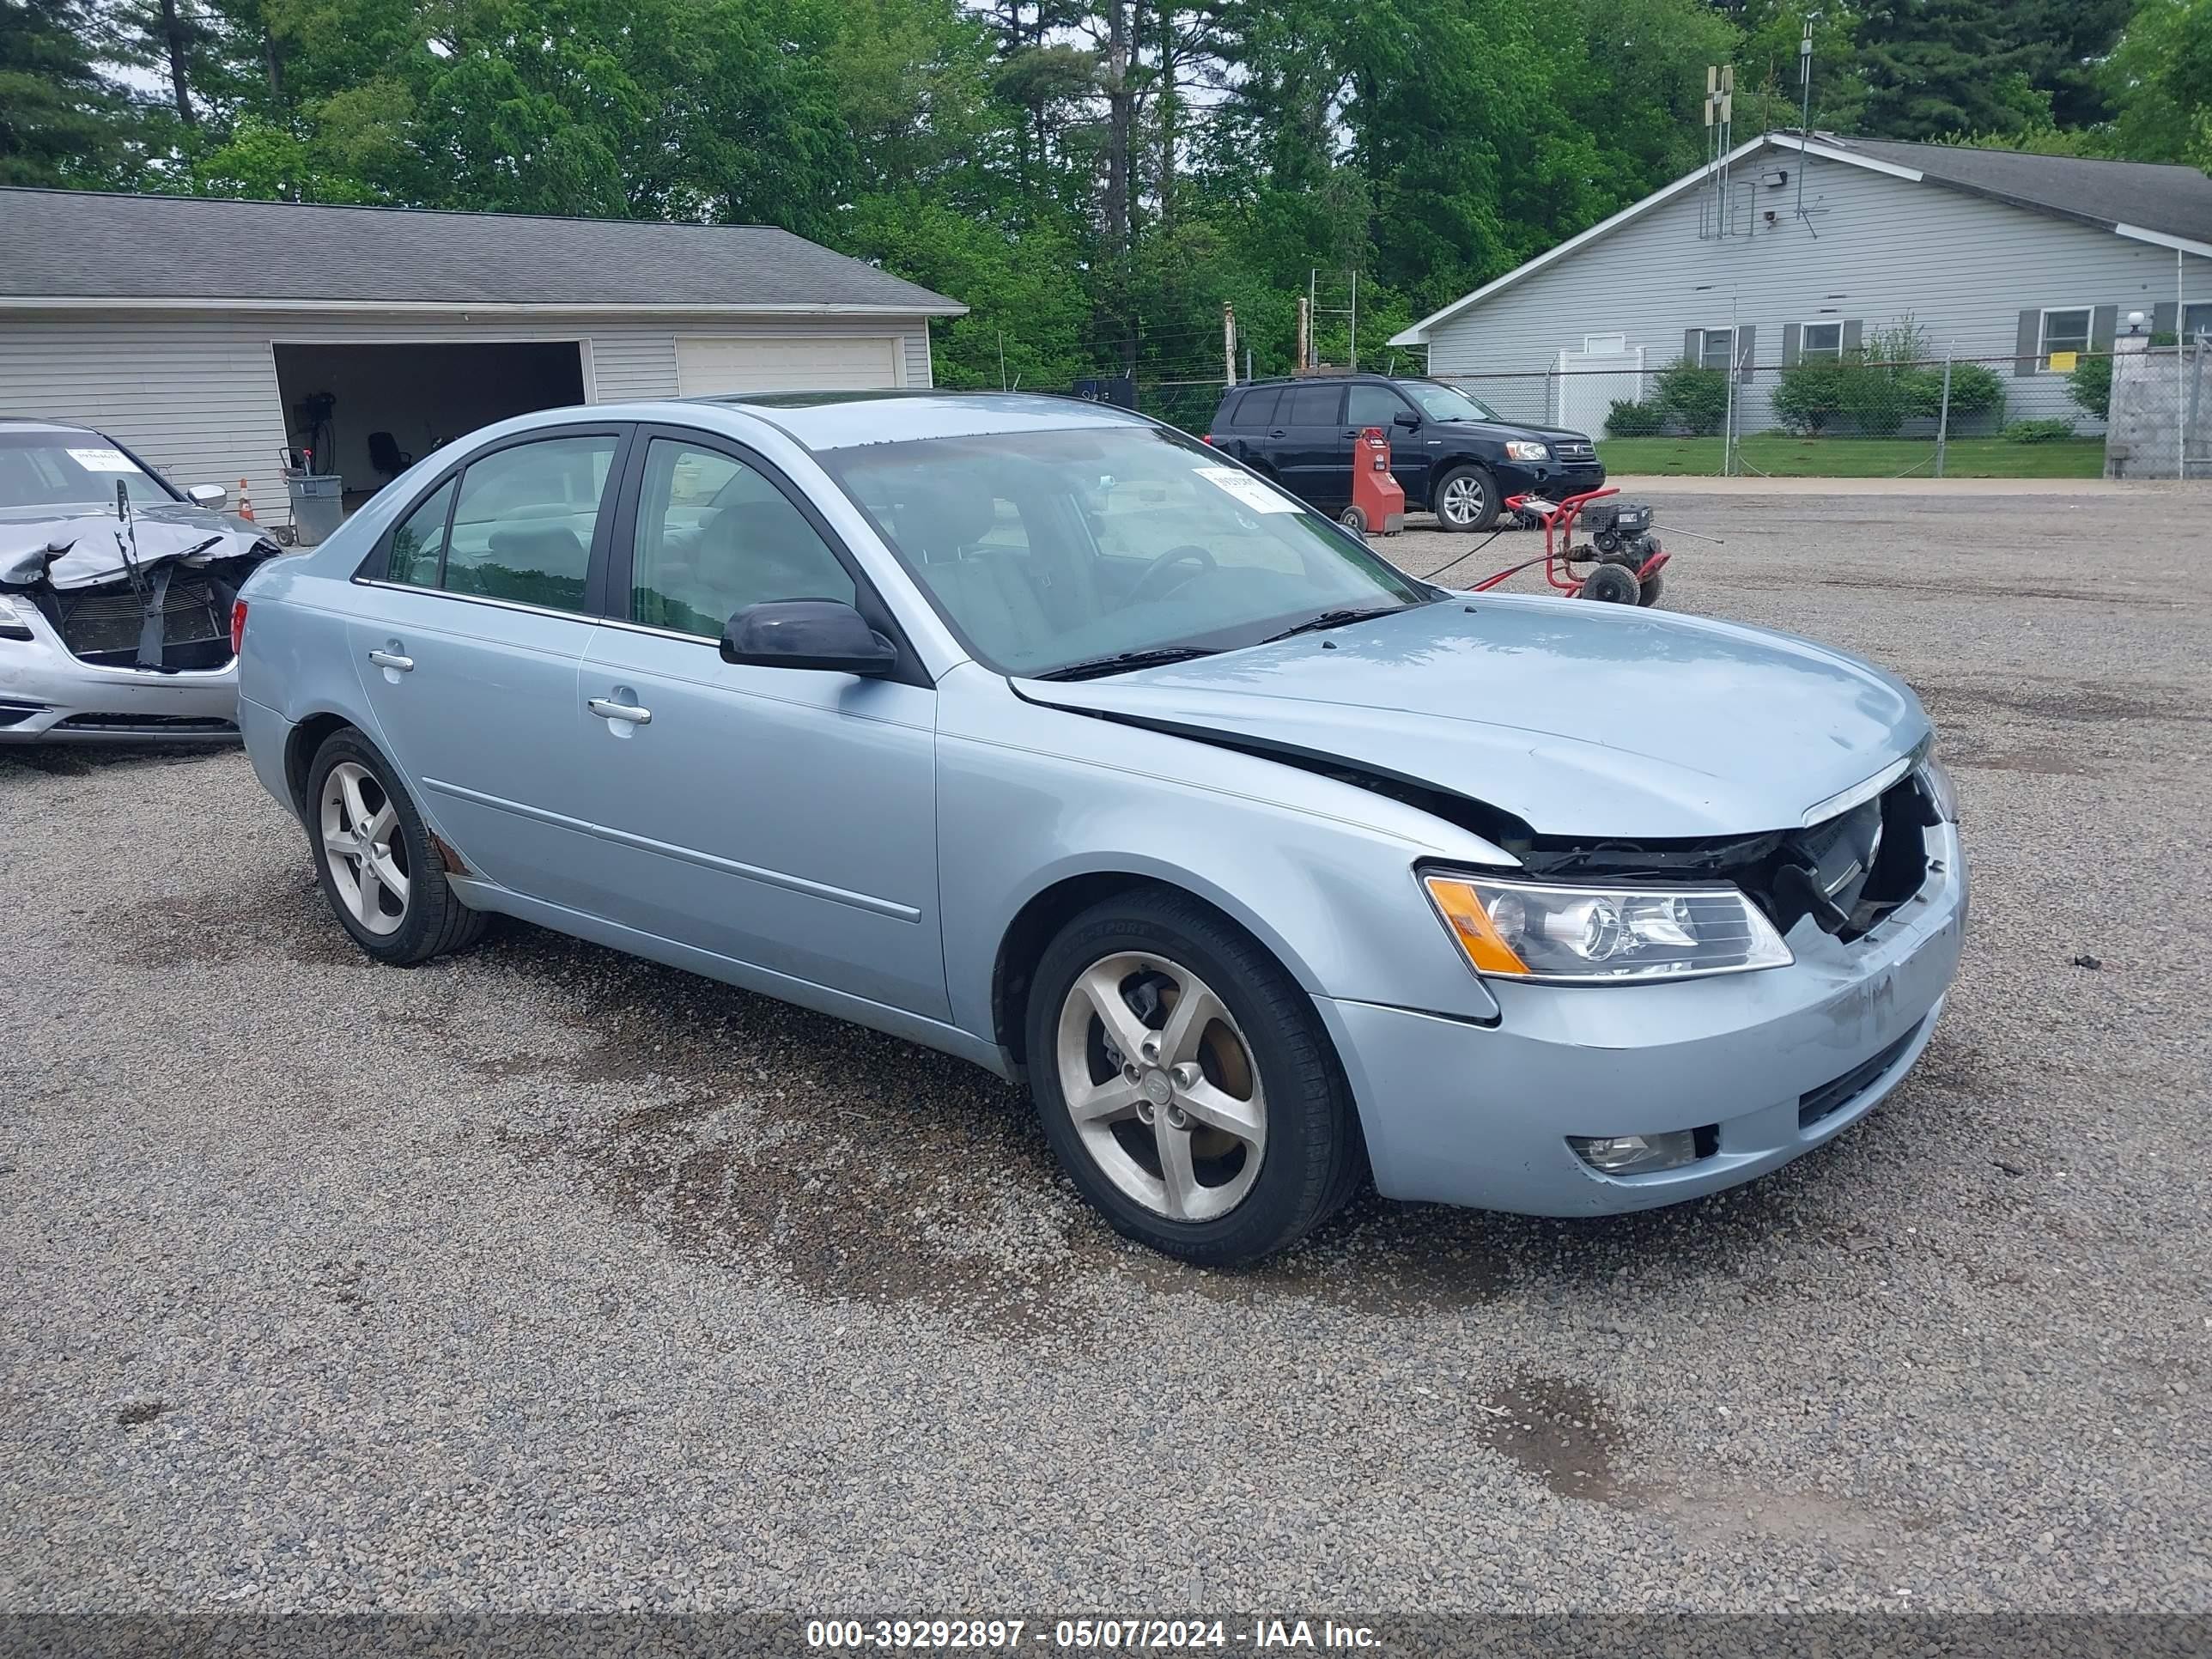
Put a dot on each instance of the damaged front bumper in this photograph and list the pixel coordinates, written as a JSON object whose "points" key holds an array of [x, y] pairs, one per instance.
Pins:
{"points": [[1757, 1068], [48, 696]]}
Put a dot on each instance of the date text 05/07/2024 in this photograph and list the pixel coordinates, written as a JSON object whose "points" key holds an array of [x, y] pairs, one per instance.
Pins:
{"points": [[1133, 1634]]}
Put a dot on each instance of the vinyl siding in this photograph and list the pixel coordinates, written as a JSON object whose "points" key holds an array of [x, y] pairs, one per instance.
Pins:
{"points": [[197, 394], [1878, 249]]}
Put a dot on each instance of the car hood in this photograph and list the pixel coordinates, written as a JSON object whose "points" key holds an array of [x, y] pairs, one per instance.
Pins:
{"points": [[1504, 429], [1582, 719], [167, 531]]}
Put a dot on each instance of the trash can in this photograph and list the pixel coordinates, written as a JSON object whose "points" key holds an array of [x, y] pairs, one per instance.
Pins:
{"points": [[318, 504]]}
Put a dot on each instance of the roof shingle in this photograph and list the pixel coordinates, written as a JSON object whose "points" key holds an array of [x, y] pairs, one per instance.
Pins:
{"points": [[2176, 201], [90, 244]]}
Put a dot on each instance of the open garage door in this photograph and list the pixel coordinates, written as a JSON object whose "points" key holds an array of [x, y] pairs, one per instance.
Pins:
{"points": [[366, 411], [708, 364]]}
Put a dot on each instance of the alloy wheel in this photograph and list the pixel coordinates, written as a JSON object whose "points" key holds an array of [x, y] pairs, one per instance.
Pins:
{"points": [[1162, 1086], [362, 844], [1461, 503]]}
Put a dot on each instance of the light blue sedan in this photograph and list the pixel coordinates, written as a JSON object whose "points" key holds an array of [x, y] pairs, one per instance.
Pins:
{"points": [[1041, 733]]}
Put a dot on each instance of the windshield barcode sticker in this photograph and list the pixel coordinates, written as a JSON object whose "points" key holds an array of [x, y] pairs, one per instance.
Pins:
{"points": [[1247, 489], [103, 461]]}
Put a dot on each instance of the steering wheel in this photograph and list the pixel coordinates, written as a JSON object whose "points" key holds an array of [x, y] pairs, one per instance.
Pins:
{"points": [[1189, 553]]}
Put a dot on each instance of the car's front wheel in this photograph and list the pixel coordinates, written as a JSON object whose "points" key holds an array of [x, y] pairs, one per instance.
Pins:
{"points": [[382, 877], [1466, 498], [1185, 1084]]}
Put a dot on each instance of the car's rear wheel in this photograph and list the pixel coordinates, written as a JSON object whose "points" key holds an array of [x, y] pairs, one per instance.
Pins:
{"points": [[1185, 1083], [381, 877], [1466, 498]]}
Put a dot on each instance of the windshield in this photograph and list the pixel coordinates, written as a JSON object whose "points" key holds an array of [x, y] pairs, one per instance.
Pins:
{"points": [[70, 469], [1447, 403], [1045, 550]]}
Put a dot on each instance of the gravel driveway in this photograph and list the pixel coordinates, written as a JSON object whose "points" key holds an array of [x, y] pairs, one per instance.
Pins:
{"points": [[546, 1277]]}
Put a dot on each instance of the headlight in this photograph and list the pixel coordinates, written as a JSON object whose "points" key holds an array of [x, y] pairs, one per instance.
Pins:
{"points": [[1520, 450], [1942, 794], [14, 618], [1539, 931]]}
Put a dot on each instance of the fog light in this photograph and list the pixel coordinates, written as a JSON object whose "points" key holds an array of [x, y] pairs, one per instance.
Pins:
{"points": [[1637, 1154]]}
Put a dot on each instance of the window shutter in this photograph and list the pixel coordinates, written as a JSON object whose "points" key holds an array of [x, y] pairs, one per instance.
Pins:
{"points": [[1854, 335], [2165, 319], [1693, 340], [2103, 322], [1744, 346], [2027, 343], [1791, 334]]}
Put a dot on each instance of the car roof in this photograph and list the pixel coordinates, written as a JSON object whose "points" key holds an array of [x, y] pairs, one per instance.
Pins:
{"points": [[37, 423], [846, 420], [1361, 376]]}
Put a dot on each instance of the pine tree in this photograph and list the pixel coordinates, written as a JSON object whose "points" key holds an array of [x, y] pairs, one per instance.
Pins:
{"points": [[61, 121]]}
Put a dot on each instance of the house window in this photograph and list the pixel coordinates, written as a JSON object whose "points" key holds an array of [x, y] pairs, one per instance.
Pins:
{"points": [[1713, 345], [2064, 331], [1821, 343], [2197, 321]]}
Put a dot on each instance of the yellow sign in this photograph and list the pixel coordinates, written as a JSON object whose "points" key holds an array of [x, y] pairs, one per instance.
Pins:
{"points": [[2062, 363]]}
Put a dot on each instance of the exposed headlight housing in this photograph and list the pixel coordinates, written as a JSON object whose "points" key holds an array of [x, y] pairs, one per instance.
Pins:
{"points": [[1942, 794], [14, 618], [1548, 931], [1522, 449]]}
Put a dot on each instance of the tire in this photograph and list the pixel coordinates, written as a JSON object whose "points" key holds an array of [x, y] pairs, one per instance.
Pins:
{"points": [[1354, 520], [1611, 584], [1651, 587], [351, 785], [1243, 1194], [1465, 499]]}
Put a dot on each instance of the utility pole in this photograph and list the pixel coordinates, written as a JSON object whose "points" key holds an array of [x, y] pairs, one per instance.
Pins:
{"points": [[1002, 360], [1305, 334], [1228, 343], [1942, 415]]}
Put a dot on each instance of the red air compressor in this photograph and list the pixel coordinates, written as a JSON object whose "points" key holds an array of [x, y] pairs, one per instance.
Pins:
{"points": [[1378, 501]]}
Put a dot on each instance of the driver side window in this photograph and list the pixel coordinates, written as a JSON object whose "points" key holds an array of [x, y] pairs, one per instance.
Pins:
{"points": [[713, 536]]}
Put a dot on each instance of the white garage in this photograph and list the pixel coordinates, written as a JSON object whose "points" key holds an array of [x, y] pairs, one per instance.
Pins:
{"points": [[222, 340]]}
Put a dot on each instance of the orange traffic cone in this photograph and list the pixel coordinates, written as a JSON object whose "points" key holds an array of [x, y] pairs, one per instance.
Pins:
{"points": [[245, 502]]}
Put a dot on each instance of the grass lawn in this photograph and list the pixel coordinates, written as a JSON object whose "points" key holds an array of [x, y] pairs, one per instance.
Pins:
{"points": [[1784, 457]]}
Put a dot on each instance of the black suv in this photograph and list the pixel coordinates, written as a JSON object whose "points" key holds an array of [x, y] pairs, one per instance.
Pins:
{"points": [[1451, 454]]}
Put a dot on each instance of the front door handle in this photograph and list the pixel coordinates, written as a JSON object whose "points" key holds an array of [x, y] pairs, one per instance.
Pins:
{"points": [[393, 660], [607, 709]]}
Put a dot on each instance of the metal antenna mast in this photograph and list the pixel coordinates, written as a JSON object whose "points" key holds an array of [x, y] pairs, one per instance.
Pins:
{"points": [[1805, 119]]}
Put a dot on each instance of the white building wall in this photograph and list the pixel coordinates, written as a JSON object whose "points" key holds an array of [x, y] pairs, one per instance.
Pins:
{"points": [[195, 393], [1872, 248]]}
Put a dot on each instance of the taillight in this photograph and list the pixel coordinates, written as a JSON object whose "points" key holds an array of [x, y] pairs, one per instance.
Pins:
{"points": [[237, 626]]}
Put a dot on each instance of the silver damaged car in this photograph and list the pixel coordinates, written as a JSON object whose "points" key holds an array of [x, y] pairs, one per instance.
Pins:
{"points": [[1040, 734], [116, 591]]}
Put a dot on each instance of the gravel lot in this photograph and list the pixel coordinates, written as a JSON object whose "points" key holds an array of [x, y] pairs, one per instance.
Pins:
{"points": [[545, 1278]]}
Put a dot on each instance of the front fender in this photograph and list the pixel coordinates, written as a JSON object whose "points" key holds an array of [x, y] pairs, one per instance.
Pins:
{"points": [[1320, 871]]}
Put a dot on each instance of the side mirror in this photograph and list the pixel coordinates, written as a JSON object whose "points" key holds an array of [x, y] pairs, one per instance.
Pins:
{"points": [[207, 494], [826, 633], [1406, 418]]}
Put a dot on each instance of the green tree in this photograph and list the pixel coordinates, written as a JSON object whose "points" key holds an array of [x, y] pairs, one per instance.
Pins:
{"points": [[62, 122]]}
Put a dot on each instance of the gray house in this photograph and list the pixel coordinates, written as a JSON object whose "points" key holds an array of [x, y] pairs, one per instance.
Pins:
{"points": [[211, 336], [1808, 244]]}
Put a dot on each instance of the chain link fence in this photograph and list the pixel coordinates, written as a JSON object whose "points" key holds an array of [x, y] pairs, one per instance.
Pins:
{"points": [[1856, 416]]}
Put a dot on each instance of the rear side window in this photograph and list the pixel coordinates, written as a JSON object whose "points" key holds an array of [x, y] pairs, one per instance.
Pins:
{"points": [[1257, 411], [419, 544], [1314, 405], [521, 525]]}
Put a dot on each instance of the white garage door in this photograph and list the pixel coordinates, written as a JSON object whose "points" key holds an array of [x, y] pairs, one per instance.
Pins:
{"points": [[707, 364]]}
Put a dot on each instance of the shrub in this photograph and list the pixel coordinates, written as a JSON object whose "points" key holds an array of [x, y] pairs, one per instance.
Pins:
{"points": [[1630, 419], [2038, 432], [1974, 390], [1694, 395], [2090, 385], [1810, 395]]}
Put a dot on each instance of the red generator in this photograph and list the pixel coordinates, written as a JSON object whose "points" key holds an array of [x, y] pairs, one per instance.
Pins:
{"points": [[1378, 501]]}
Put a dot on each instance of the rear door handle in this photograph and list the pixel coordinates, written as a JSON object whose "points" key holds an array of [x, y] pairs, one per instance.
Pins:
{"points": [[1276, 432], [392, 660], [607, 709]]}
